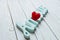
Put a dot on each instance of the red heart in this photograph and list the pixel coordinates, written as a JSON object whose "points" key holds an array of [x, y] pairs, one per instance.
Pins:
{"points": [[35, 16]]}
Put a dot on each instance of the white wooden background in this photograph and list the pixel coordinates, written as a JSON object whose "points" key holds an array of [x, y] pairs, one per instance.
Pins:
{"points": [[12, 11]]}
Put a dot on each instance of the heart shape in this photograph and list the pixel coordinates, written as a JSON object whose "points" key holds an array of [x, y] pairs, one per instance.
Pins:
{"points": [[35, 16]]}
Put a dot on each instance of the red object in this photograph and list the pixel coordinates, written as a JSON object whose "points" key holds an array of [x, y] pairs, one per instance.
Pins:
{"points": [[35, 16]]}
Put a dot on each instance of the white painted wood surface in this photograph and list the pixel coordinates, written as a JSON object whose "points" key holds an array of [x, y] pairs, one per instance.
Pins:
{"points": [[12, 11], [6, 27]]}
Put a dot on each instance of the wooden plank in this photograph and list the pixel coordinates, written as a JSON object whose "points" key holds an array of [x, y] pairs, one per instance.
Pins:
{"points": [[49, 32], [6, 27], [52, 18]]}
